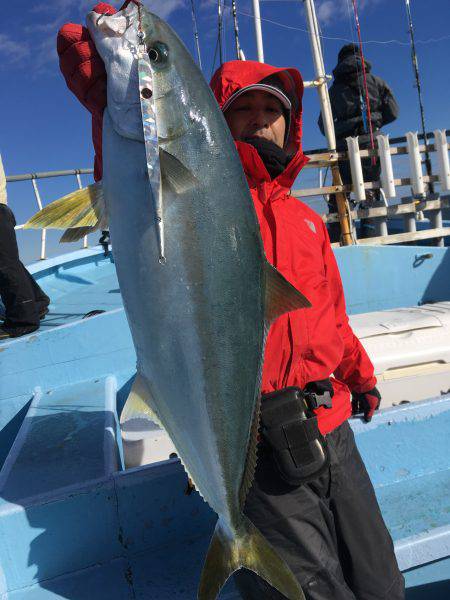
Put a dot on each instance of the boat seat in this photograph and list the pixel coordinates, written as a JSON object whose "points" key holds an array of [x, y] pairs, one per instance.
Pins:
{"points": [[67, 437], [406, 452]]}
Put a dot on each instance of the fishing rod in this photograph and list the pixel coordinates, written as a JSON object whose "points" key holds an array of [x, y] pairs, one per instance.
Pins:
{"points": [[194, 25], [366, 89], [419, 91], [219, 29], [239, 52]]}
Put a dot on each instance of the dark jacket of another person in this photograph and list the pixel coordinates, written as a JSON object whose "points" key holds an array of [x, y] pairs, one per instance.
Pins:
{"points": [[345, 96]]}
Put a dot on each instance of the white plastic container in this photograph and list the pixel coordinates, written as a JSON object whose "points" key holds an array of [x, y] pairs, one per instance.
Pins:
{"points": [[145, 443], [410, 349]]}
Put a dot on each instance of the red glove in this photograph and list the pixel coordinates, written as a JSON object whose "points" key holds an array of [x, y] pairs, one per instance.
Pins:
{"points": [[85, 75], [366, 402]]}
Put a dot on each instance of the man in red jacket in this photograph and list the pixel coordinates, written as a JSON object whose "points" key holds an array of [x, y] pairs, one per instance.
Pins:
{"points": [[325, 522]]}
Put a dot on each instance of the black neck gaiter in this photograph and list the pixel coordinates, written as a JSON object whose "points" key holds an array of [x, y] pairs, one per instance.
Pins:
{"points": [[274, 158]]}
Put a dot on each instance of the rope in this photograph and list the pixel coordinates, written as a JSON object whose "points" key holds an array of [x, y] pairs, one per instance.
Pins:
{"points": [[343, 39]]}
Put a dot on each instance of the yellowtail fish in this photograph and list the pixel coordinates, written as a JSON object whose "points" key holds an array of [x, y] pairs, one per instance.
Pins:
{"points": [[198, 291]]}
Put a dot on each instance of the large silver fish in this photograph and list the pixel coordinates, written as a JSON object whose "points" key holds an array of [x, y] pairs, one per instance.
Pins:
{"points": [[198, 292]]}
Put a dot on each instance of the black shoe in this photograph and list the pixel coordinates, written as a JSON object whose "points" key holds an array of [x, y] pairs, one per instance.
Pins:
{"points": [[13, 332], [43, 312], [4, 335]]}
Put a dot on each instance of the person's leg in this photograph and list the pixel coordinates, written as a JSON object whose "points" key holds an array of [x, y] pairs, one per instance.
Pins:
{"points": [[371, 172], [40, 297], [299, 524], [15, 289], [364, 544]]}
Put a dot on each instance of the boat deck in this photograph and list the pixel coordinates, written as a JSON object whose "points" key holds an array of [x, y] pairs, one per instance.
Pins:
{"points": [[76, 525], [86, 284]]}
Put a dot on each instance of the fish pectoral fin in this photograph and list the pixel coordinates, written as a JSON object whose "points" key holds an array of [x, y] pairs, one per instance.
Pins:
{"points": [[75, 234], [83, 208], [179, 177], [248, 548], [281, 296], [138, 404]]}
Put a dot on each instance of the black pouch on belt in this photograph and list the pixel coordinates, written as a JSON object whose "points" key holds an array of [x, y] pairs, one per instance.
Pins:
{"points": [[290, 428]]}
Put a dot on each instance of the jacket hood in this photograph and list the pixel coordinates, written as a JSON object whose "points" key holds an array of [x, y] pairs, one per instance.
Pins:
{"points": [[236, 74], [350, 67]]}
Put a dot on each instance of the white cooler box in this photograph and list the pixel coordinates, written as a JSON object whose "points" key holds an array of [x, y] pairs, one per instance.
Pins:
{"points": [[410, 349]]}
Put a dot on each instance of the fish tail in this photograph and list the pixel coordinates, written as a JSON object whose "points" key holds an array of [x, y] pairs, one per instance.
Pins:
{"points": [[228, 552]]}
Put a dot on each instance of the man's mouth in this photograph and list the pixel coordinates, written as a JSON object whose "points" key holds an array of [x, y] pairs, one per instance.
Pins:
{"points": [[261, 133]]}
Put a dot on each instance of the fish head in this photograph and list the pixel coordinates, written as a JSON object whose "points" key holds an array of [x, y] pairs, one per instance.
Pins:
{"points": [[116, 40], [177, 84], [183, 100]]}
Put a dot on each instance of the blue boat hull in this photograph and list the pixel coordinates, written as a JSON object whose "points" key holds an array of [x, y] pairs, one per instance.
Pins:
{"points": [[74, 524]]}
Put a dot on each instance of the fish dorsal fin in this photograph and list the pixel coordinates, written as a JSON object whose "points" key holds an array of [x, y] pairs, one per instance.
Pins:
{"points": [[83, 208], [179, 177], [139, 403], [281, 296]]}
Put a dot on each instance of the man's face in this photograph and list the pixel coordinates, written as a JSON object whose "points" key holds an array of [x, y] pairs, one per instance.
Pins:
{"points": [[257, 114]]}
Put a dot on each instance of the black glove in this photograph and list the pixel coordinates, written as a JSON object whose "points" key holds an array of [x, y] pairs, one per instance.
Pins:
{"points": [[366, 402]]}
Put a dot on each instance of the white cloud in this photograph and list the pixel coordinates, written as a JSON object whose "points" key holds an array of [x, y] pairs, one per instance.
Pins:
{"points": [[44, 20], [164, 8], [334, 10], [11, 50], [326, 11]]}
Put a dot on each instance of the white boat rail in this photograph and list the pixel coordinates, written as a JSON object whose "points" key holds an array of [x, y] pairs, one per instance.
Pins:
{"points": [[33, 177], [411, 207]]}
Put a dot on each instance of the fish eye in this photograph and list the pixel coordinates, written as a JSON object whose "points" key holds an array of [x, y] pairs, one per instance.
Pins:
{"points": [[158, 54]]}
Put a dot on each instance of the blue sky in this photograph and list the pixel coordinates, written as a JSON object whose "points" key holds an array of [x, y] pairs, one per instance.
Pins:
{"points": [[43, 127]]}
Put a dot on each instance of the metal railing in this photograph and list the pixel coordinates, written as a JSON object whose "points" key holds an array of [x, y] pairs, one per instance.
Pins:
{"points": [[412, 207], [33, 177]]}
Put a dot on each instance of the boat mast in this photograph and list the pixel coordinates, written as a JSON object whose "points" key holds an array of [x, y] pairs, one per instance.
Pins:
{"points": [[419, 90], [258, 31], [194, 25], [327, 116]]}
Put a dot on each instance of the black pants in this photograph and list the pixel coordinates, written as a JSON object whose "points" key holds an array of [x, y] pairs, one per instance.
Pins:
{"points": [[21, 295], [330, 531]]}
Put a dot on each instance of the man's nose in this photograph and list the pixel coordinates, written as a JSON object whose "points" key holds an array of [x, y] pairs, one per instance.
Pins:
{"points": [[259, 119]]}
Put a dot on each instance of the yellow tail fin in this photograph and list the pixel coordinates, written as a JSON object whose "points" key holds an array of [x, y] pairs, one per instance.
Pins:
{"points": [[249, 549], [81, 209]]}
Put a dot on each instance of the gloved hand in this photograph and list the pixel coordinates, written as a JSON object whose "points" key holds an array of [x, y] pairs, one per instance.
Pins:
{"points": [[366, 403], [85, 75]]}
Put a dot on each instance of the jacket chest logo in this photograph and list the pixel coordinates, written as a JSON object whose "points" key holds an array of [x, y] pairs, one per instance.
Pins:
{"points": [[311, 225]]}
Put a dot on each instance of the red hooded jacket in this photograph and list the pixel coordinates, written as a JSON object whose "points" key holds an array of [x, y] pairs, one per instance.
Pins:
{"points": [[310, 344], [305, 345]]}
